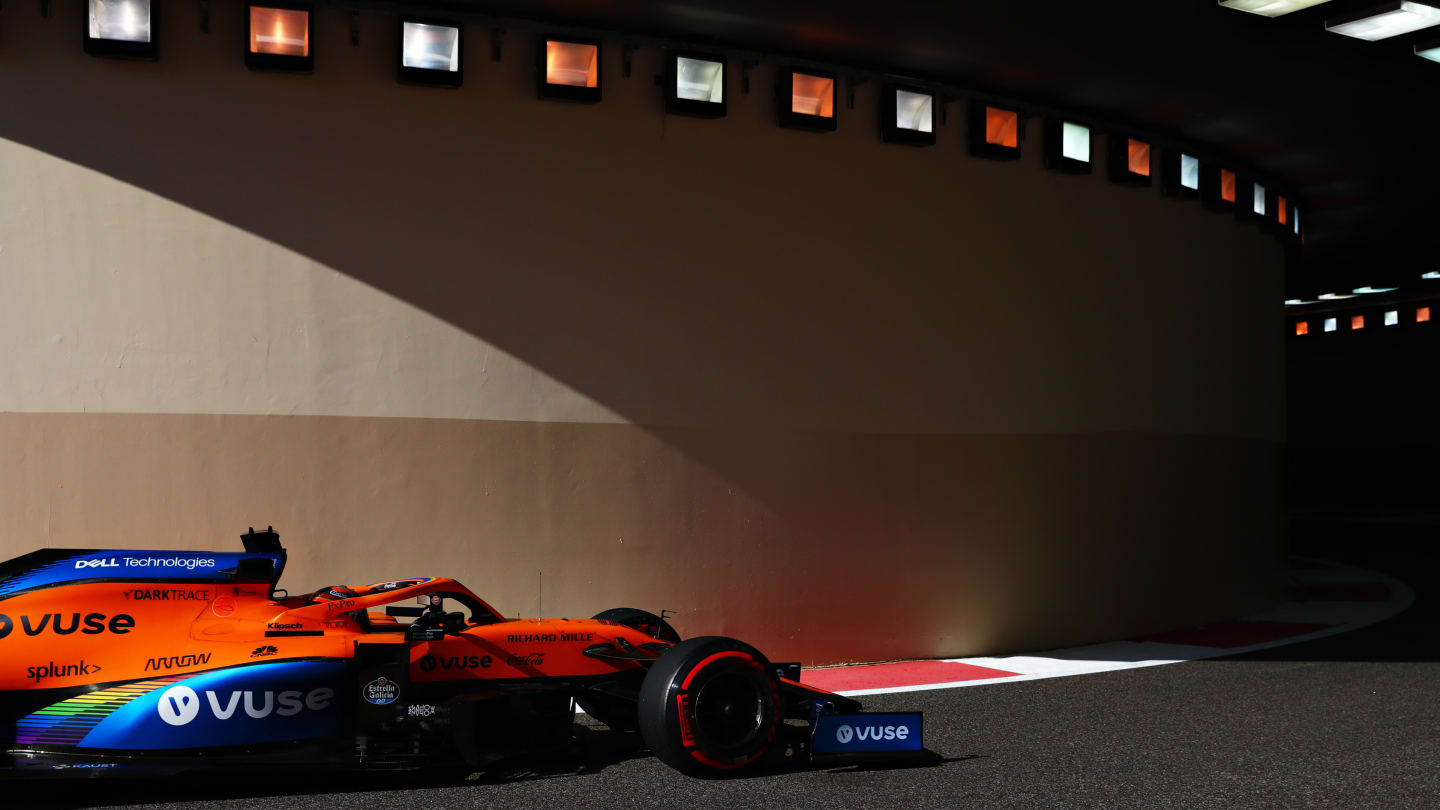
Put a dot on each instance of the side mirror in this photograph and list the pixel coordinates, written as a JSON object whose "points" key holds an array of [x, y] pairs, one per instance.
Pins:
{"points": [[454, 623]]}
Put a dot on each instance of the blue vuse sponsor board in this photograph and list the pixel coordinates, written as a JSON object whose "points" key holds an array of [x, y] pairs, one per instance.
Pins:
{"points": [[865, 732], [286, 700]]}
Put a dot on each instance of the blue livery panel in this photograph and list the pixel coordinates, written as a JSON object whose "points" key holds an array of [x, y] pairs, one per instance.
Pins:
{"points": [[867, 733], [259, 703], [55, 567]]}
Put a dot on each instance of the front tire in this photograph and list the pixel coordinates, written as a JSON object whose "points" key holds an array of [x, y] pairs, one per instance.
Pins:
{"points": [[710, 707]]}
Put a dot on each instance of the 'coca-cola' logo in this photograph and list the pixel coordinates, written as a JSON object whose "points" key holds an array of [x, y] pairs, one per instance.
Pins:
{"points": [[534, 659]]}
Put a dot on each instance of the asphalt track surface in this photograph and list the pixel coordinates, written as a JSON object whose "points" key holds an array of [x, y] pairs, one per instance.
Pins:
{"points": [[1350, 721]]}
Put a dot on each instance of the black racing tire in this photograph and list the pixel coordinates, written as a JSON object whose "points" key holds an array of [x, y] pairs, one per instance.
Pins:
{"points": [[617, 712], [644, 621], [710, 707]]}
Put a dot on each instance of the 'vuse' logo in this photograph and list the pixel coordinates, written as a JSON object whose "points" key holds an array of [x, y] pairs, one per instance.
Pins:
{"points": [[180, 705]]}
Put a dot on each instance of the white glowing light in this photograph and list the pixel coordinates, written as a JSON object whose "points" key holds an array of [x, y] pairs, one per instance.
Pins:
{"points": [[914, 111], [1075, 142], [1431, 274], [699, 79], [1392, 317], [1329, 324], [1259, 199], [1392, 20], [1334, 297], [1368, 290], [123, 20], [1431, 52], [431, 47], [1190, 172], [1270, 8]]}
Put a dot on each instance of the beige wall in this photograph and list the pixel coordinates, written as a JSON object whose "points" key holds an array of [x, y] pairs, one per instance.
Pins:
{"points": [[784, 382]]}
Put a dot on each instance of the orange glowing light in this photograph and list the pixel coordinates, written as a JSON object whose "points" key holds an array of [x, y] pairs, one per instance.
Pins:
{"points": [[1284, 210], [574, 64], [812, 95], [1227, 185], [1139, 158], [279, 31], [1422, 314], [1357, 321], [1002, 127], [1302, 327]]}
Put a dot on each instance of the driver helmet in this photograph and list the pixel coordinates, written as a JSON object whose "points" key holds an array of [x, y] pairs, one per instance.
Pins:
{"points": [[334, 593]]}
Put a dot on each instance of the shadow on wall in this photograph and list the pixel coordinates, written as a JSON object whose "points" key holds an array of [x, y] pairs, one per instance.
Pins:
{"points": [[840, 329]]}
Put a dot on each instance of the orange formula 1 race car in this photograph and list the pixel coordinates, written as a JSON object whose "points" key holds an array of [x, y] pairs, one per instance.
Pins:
{"points": [[114, 661]]}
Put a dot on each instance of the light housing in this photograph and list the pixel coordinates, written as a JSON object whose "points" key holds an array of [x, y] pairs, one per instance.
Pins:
{"points": [[1387, 20], [1428, 49], [695, 84], [1179, 174], [279, 37], [1217, 187], [120, 28], [1067, 146], [907, 115], [430, 52], [994, 132], [1271, 8], [570, 69], [1392, 317], [1129, 161], [805, 99]]}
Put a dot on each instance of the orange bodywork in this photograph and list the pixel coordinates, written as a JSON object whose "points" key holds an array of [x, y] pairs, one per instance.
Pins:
{"points": [[104, 632]]}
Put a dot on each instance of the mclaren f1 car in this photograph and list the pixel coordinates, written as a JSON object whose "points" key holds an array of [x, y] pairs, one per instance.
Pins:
{"points": [[163, 661]]}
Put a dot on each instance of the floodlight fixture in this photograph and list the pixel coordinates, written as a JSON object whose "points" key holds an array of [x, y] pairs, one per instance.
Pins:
{"points": [[1129, 160], [1431, 274], [1302, 327], [1373, 290], [1422, 315], [1259, 200], [1217, 187], [1330, 324], [1067, 146], [695, 84], [1282, 210], [1392, 317], [1271, 8], [122, 28], [430, 52], [994, 132], [1387, 20], [1295, 220], [805, 99], [907, 115], [1179, 174], [280, 38], [1357, 322], [570, 69]]}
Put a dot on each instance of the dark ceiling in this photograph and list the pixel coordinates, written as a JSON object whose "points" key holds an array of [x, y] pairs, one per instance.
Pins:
{"points": [[1346, 124]]}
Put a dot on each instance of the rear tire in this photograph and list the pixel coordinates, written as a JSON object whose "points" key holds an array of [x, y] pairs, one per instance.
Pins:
{"points": [[710, 707], [617, 712]]}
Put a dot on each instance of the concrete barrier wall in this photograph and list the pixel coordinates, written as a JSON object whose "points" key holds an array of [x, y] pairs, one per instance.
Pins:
{"points": [[844, 399]]}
